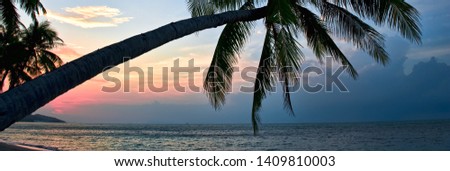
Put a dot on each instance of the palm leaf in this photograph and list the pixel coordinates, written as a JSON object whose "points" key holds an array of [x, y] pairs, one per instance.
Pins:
{"points": [[231, 5], [320, 41], [200, 7], [228, 5], [282, 12], [405, 18], [18, 77], [43, 35], [349, 27], [219, 78], [397, 14], [32, 8], [264, 81], [9, 16], [50, 60], [288, 59]]}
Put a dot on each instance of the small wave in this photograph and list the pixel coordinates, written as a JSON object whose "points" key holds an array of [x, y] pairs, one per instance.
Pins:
{"points": [[39, 147]]}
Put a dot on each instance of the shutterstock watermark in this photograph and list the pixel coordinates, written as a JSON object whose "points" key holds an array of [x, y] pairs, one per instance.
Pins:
{"points": [[311, 79]]}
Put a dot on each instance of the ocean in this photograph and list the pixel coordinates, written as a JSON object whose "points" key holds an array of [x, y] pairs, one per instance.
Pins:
{"points": [[387, 136]]}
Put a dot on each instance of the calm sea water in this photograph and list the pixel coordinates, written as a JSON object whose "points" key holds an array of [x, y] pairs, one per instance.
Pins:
{"points": [[411, 136]]}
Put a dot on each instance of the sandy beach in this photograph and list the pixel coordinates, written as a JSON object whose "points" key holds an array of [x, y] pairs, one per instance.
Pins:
{"points": [[5, 146]]}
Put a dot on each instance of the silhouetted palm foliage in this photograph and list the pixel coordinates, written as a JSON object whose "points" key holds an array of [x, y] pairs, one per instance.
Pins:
{"points": [[26, 55], [24, 52], [11, 18], [281, 56]]}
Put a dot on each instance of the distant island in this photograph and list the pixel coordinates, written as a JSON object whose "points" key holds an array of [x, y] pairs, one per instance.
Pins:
{"points": [[41, 118]]}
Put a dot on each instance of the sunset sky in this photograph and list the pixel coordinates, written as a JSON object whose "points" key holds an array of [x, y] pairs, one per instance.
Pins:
{"points": [[410, 87]]}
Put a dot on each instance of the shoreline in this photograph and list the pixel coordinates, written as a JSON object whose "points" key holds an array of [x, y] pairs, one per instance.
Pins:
{"points": [[7, 146]]}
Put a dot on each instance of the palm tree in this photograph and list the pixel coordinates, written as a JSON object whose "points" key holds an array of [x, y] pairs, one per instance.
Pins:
{"points": [[281, 54], [13, 57], [39, 38], [284, 20], [26, 55]]}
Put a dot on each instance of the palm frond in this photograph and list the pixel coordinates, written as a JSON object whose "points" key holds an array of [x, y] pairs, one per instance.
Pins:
{"points": [[320, 41], [32, 8], [53, 61], [24, 76], [18, 77], [9, 16], [43, 35], [53, 57], [228, 5], [33, 66], [264, 81], [231, 5], [219, 78], [350, 28], [288, 59], [201, 7], [13, 79], [282, 12], [397, 14], [405, 18]]}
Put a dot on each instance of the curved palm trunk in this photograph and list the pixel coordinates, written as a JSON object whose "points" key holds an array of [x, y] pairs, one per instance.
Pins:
{"points": [[21, 101]]}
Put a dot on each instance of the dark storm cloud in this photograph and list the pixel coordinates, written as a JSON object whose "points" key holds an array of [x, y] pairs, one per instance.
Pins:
{"points": [[384, 94]]}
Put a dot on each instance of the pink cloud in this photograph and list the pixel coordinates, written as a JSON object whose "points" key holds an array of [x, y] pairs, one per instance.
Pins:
{"points": [[66, 53]]}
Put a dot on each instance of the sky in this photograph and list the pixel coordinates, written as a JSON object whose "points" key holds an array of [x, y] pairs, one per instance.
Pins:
{"points": [[414, 85]]}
